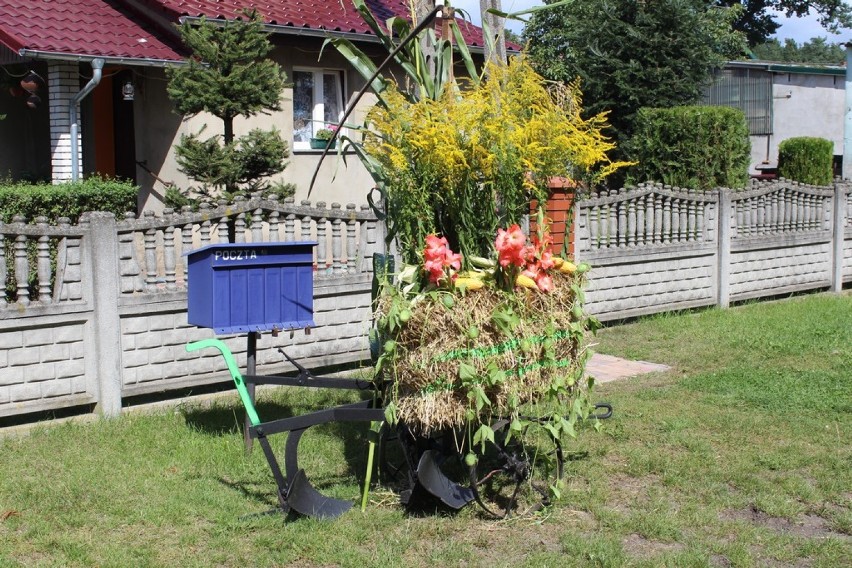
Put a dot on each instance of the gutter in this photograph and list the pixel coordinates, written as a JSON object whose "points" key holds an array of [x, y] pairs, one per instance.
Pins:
{"points": [[107, 59], [279, 29], [775, 67], [97, 70]]}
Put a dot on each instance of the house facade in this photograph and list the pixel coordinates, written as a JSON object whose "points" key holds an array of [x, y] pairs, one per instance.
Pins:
{"points": [[98, 68], [781, 101]]}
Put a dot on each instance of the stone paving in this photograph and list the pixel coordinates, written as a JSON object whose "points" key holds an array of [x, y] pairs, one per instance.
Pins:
{"points": [[605, 368]]}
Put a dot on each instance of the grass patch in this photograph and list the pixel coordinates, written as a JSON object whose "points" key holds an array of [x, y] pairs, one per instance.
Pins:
{"points": [[739, 456]]}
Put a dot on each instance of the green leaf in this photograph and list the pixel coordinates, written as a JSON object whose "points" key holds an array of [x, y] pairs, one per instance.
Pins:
{"points": [[390, 413], [482, 435], [467, 373]]}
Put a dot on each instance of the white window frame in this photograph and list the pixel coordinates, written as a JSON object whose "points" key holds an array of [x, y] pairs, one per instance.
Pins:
{"points": [[318, 112]]}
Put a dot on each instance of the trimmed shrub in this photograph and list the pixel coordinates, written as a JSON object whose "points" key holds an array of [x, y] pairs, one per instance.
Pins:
{"points": [[66, 200], [806, 159], [696, 147]]}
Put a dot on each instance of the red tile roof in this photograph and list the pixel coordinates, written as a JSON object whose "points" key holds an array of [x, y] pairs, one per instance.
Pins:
{"points": [[102, 28], [116, 29], [329, 15]]}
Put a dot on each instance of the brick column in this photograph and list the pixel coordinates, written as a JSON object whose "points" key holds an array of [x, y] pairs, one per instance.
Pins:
{"points": [[63, 83]]}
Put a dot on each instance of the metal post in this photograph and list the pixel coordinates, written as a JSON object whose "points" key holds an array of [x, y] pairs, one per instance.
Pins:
{"points": [[251, 369], [847, 129]]}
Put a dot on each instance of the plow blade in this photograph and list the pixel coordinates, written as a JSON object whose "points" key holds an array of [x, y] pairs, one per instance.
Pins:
{"points": [[304, 499], [433, 480]]}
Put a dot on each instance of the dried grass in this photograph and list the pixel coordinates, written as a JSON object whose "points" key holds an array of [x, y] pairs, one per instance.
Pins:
{"points": [[547, 341]]}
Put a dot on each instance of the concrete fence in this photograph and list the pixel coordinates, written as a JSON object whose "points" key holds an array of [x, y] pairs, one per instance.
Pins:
{"points": [[654, 248], [96, 312]]}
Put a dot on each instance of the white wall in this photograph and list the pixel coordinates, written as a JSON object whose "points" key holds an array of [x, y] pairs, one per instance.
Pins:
{"points": [[803, 105]]}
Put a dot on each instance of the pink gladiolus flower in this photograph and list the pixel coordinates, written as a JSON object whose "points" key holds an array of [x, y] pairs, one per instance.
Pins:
{"points": [[513, 238], [531, 272], [544, 282], [438, 258], [546, 261], [510, 246], [453, 260], [436, 246]]}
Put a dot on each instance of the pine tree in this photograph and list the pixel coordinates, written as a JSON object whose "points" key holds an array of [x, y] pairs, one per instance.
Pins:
{"points": [[229, 75]]}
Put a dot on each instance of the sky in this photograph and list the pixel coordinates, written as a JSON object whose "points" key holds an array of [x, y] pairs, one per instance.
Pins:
{"points": [[799, 29]]}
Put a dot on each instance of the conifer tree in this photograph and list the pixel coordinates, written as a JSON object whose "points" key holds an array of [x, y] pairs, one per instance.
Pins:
{"points": [[229, 76]]}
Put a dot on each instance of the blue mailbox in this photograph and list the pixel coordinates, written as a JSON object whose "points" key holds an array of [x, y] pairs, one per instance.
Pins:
{"points": [[245, 287]]}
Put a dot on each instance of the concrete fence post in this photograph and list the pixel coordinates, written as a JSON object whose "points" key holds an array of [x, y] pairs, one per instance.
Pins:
{"points": [[106, 324], [837, 237], [723, 264]]}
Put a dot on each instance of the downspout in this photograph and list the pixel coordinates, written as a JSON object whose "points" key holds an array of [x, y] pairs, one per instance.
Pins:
{"points": [[97, 69]]}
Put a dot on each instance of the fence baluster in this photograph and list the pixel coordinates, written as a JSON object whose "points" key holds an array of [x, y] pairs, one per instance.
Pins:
{"points": [[274, 222], [186, 246], [808, 219], [169, 254], [336, 239], [799, 211], [658, 218], [667, 219], [369, 239], [257, 226], [289, 222], [222, 230], [305, 225], [593, 216], [150, 257], [351, 246], [322, 264], [22, 270], [631, 223], [43, 263], [240, 228], [785, 210], [772, 207], [612, 226]]}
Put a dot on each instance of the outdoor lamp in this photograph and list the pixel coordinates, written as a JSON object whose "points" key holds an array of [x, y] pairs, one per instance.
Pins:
{"points": [[128, 91]]}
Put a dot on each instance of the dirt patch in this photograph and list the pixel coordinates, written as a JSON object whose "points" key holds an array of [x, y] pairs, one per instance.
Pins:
{"points": [[638, 546], [719, 561], [806, 526]]}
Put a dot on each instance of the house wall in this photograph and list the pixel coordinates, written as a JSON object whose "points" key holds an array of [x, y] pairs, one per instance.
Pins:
{"points": [[159, 128], [803, 105]]}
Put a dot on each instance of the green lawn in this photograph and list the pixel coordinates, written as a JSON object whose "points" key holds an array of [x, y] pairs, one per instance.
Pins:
{"points": [[739, 456]]}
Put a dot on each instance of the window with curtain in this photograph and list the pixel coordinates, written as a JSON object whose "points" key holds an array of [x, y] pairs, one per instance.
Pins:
{"points": [[317, 102]]}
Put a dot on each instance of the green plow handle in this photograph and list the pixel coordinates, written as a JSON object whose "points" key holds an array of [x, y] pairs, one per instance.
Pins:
{"points": [[235, 373]]}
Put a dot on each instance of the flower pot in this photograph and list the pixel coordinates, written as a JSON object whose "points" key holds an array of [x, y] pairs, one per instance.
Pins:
{"points": [[320, 144]]}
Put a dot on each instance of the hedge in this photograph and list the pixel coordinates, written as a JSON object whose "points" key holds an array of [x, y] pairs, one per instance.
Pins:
{"points": [[806, 159], [696, 147], [66, 200]]}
